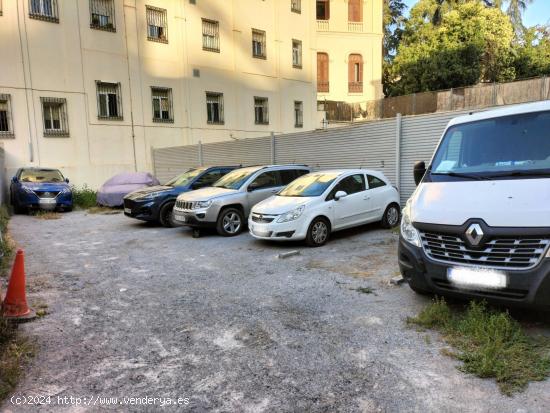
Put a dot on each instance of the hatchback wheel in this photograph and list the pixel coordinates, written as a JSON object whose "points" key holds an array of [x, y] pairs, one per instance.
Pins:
{"points": [[230, 222], [318, 232], [391, 216], [165, 215]]}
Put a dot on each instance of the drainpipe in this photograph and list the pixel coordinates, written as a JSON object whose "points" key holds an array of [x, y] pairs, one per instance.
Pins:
{"points": [[398, 120]]}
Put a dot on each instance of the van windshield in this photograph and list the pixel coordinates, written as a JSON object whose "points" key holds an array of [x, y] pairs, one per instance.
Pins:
{"points": [[235, 179], [309, 185], [515, 145]]}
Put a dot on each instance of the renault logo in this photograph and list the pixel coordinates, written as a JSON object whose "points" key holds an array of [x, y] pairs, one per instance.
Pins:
{"points": [[474, 234]]}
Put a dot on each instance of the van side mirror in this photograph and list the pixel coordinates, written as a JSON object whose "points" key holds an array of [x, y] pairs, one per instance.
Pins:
{"points": [[419, 171], [339, 195]]}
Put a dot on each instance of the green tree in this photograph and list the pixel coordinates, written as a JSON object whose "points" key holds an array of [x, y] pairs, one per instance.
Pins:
{"points": [[514, 10], [532, 53], [472, 43], [394, 22]]}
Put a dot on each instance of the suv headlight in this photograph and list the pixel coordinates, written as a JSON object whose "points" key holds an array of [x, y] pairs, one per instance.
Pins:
{"points": [[291, 215], [202, 204], [408, 232]]}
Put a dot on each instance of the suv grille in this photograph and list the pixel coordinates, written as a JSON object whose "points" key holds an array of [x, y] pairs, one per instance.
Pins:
{"points": [[184, 205], [262, 219], [511, 253]]}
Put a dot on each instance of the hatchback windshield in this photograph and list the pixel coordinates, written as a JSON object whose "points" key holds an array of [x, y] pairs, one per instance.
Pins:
{"points": [[235, 179], [185, 178], [41, 175], [511, 145], [309, 185]]}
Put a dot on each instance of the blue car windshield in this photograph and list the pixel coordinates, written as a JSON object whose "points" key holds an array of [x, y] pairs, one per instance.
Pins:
{"points": [[509, 145], [310, 185], [40, 175], [185, 178]]}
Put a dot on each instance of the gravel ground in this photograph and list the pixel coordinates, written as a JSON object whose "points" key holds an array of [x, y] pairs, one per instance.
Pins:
{"points": [[136, 310]]}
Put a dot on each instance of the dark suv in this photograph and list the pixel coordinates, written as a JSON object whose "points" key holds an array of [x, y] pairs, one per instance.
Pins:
{"points": [[156, 203]]}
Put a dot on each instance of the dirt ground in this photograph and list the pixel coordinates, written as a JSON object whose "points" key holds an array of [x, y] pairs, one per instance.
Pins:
{"points": [[138, 311]]}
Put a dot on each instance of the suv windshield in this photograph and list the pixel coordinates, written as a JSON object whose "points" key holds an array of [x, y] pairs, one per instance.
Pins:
{"points": [[185, 178], [517, 145], [40, 175], [313, 184], [235, 179]]}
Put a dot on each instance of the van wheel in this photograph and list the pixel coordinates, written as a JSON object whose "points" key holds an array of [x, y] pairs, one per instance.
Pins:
{"points": [[165, 215], [318, 232], [391, 216], [230, 222]]}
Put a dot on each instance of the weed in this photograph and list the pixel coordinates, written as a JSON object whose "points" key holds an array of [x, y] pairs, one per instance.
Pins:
{"points": [[84, 197], [490, 343], [103, 210], [364, 290], [46, 215]]}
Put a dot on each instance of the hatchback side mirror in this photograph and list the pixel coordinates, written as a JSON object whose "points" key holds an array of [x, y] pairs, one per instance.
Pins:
{"points": [[14, 180], [67, 180], [339, 195], [419, 171]]}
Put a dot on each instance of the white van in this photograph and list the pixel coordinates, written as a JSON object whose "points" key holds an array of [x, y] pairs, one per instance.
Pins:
{"points": [[478, 224]]}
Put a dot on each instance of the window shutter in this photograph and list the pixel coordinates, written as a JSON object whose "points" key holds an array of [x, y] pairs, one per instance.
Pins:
{"points": [[355, 10]]}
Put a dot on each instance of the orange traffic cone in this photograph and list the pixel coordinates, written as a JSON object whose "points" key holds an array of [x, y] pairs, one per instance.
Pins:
{"points": [[15, 306]]}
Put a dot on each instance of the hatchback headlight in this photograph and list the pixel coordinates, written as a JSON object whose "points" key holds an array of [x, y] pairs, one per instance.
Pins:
{"points": [[27, 190], [292, 215], [66, 191], [202, 204], [408, 232]]}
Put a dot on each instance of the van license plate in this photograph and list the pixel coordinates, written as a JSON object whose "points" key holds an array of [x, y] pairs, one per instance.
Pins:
{"points": [[472, 278]]}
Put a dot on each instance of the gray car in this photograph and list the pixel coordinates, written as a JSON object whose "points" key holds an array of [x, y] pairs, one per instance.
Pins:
{"points": [[225, 206]]}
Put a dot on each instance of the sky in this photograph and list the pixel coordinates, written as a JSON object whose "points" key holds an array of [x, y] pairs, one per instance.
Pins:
{"points": [[537, 13]]}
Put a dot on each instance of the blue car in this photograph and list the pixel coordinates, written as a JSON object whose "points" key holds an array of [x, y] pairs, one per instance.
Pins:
{"points": [[40, 188], [155, 203]]}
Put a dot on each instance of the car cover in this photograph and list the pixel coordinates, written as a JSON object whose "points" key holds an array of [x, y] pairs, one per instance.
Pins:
{"points": [[114, 189]]}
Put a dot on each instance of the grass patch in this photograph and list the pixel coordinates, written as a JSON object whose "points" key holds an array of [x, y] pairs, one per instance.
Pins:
{"points": [[103, 210], [84, 197], [490, 343], [46, 215]]}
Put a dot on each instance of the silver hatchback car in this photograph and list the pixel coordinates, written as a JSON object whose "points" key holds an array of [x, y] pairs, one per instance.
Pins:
{"points": [[225, 206]]}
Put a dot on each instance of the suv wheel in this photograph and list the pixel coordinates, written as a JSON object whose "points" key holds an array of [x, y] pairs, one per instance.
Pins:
{"points": [[391, 216], [165, 215], [230, 222], [318, 232]]}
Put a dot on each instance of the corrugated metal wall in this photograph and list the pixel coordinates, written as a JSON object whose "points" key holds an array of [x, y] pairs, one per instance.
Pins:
{"points": [[369, 145]]}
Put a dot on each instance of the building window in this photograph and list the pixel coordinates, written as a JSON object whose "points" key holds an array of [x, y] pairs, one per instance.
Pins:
{"points": [[298, 114], [109, 101], [157, 24], [162, 104], [296, 6], [258, 44], [297, 54], [261, 111], [214, 108], [54, 111], [355, 73], [323, 9], [355, 11], [210, 35], [102, 15], [6, 130], [44, 10], [0, 7], [322, 73]]}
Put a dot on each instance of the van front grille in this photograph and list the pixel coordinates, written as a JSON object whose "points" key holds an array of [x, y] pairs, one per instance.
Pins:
{"points": [[506, 253]]}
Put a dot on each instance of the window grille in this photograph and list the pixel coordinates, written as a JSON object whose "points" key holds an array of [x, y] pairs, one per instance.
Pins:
{"points": [[109, 101], [261, 111], [214, 108], [296, 6], [162, 105], [210, 35], [102, 15], [44, 10], [54, 113], [157, 24], [6, 128], [297, 54], [258, 44], [298, 114]]}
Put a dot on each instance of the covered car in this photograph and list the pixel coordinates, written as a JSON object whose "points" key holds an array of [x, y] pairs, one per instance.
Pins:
{"points": [[113, 191]]}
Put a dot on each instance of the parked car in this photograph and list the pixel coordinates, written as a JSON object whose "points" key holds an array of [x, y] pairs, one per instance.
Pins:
{"points": [[314, 205], [226, 205], [157, 202], [478, 224], [40, 188], [113, 191]]}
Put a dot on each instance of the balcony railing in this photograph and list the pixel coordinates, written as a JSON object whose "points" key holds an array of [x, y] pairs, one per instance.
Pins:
{"points": [[323, 25], [355, 27], [323, 87], [355, 87]]}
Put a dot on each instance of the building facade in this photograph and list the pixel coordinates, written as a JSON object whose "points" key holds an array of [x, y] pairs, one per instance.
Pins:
{"points": [[91, 86]]}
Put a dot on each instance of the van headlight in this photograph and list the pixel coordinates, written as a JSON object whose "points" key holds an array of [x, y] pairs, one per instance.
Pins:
{"points": [[202, 204], [408, 232], [291, 215]]}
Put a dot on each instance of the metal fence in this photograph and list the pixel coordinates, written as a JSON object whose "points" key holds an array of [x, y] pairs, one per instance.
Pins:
{"points": [[465, 98], [389, 145]]}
